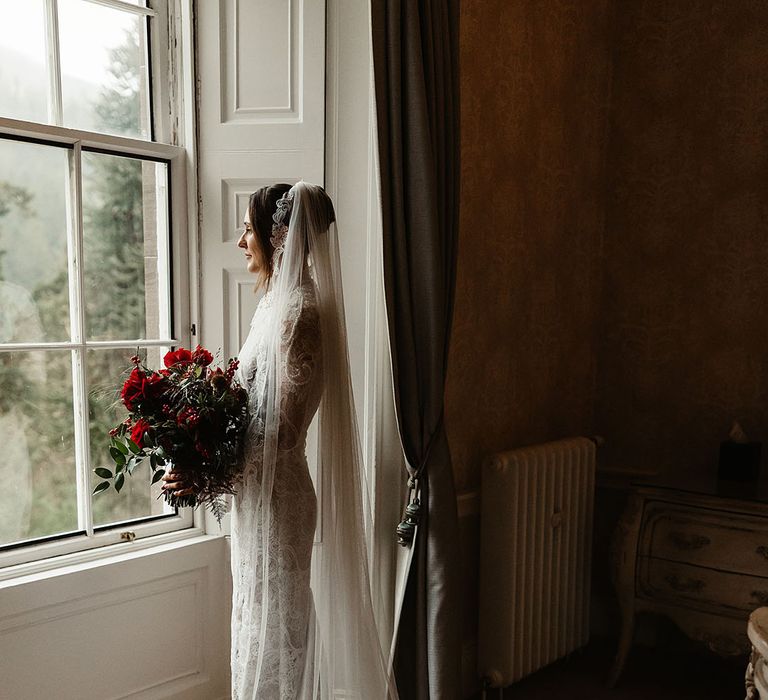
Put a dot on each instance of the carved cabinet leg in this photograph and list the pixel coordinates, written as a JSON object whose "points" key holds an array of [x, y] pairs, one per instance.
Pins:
{"points": [[625, 644], [749, 677], [624, 556]]}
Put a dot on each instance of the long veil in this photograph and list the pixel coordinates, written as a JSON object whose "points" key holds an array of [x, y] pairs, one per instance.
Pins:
{"points": [[344, 657]]}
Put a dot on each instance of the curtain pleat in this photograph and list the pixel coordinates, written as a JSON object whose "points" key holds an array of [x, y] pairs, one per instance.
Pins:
{"points": [[415, 54]]}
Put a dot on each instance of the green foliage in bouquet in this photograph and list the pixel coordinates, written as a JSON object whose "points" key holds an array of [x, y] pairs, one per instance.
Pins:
{"points": [[187, 415]]}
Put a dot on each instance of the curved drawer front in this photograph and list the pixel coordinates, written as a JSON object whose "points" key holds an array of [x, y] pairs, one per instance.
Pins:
{"points": [[717, 539], [705, 589]]}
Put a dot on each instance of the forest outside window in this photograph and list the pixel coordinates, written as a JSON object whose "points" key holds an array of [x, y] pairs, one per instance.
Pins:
{"points": [[87, 239]]}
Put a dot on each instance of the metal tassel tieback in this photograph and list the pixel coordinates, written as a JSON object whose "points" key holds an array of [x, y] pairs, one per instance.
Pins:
{"points": [[407, 527]]}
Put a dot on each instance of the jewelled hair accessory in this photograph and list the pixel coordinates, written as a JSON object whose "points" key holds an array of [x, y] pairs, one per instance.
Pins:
{"points": [[279, 229]]}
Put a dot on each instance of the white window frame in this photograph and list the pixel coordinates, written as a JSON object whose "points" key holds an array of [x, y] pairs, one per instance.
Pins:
{"points": [[172, 83]]}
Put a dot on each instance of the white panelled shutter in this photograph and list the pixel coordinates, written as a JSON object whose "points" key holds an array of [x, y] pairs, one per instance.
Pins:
{"points": [[261, 121]]}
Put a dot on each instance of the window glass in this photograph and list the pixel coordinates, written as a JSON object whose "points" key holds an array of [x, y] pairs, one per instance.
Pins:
{"points": [[106, 370], [23, 80], [103, 69], [125, 247], [34, 295], [84, 65], [37, 472]]}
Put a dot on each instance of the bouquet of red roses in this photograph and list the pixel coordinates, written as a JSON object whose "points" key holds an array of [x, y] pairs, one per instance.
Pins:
{"points": [[188, 415]]}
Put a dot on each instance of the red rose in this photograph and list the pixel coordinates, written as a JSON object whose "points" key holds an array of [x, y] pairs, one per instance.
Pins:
{"points": [[132, 391], [137, 434], [155, 386], [140, 387], [202, 357], [182, 356]]}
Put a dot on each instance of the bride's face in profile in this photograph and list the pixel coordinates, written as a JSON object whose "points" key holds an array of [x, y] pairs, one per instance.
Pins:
{"points": [[249, 242]]}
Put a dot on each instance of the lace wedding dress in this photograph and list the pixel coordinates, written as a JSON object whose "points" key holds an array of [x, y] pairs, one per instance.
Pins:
{"points": [[270, 633], [303, 623]]}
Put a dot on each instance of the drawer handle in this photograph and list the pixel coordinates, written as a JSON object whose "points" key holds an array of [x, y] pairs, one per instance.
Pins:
{"points": [[689, 585], [762, 550], [761, 597], [689, 542]]}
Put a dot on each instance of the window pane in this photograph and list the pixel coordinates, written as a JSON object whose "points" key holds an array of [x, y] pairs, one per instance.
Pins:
{"points": [[125, 247], [103, 67], [34, 298], [107, 370], [38, 495], [23, 81]]}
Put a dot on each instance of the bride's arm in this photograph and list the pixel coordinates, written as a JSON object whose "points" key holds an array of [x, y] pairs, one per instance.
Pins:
{"points": [[300, 363]]}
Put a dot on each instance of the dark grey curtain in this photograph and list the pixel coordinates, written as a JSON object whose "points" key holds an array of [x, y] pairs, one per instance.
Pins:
{"points": [[415, 54]]}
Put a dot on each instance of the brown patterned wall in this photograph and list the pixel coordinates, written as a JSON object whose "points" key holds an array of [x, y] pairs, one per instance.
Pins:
{"points": [[613, 261], [613, 253], [534, 80], [683, 335]]}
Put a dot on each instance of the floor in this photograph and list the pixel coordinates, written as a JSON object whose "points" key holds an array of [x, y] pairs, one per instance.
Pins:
{"points": [[649, 675]]}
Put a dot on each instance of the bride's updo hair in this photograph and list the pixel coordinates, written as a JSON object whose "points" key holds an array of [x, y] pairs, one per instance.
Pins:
{"points": [[322, 208], [262, 206]]}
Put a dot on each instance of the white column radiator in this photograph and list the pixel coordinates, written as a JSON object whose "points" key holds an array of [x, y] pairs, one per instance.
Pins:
{"points": [[535, 557]]}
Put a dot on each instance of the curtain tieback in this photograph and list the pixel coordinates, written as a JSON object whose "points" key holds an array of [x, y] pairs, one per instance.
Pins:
{"points": [[406, 530], [407, 527]]}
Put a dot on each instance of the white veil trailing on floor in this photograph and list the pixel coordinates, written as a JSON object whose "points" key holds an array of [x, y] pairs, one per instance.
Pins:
{"points": [[344, 657]]}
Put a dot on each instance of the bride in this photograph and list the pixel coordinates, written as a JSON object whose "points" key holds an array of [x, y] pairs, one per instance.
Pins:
{"points": [[302, 617]]}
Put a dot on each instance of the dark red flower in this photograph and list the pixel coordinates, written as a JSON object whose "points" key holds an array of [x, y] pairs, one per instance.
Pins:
{"points": [[155, 386], [219, 381], [202, 357], [132, 391], [231, 367], [202, 449], [137, 434], [182, 356], [241, 395], [188, 416], [142, 387]]}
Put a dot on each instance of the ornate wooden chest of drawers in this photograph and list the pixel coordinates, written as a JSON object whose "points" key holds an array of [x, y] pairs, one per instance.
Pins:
{"points": [[756, 679], [698, 558]]}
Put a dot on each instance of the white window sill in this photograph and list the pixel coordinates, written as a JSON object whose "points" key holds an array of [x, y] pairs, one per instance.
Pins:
{"points": [[66, 564]]}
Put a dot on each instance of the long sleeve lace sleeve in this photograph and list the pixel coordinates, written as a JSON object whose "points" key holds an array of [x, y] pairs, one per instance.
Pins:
{"points": [[299, 376], [299, 373]]}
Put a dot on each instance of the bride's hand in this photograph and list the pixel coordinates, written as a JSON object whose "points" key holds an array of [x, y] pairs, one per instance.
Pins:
{"points": [[175, 485]]}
